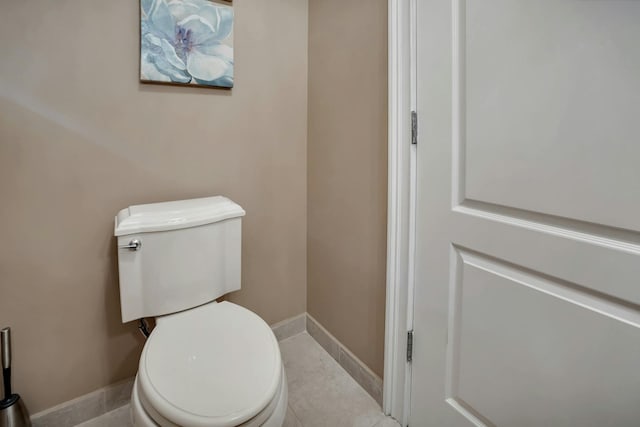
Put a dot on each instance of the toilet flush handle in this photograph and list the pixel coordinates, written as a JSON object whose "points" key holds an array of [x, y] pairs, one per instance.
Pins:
{"points": [[133, 245]]}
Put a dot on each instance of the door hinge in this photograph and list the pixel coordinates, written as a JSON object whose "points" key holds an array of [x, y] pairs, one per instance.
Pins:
{"points": [[414, 127], [410, 346]]}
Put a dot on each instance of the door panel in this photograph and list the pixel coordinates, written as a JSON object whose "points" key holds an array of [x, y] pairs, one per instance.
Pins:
{"points": [[527, 293], [540, 110], [587, 260], [547, 351]]}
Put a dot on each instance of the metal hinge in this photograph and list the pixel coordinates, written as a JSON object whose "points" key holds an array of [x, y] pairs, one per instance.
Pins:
{"points": [[414, 127], [410, 346]]}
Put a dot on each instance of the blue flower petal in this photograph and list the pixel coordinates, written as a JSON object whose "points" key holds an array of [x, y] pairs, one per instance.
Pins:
{"points": [[180, 9], [199, 28], [152, 42], [224, 24], [146, 6], [221, 82], [219, 18], [205, 67], [160, 19], [165, 67], [217, 49], [171, 56], [148, 71]]}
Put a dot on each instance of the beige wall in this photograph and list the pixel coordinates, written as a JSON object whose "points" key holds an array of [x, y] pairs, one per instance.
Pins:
{"points": [[347, 176], [80, 139]]}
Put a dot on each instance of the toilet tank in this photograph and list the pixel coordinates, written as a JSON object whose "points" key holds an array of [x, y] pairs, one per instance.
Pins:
{"points": [[177, 255]]}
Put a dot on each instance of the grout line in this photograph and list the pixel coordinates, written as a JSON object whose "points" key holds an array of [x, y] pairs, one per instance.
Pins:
{"points": [[294, 412]]}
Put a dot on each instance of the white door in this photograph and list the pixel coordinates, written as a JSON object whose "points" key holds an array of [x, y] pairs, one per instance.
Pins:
{"points": [[527, 293]]}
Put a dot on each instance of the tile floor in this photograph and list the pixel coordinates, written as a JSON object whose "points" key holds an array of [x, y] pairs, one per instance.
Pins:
{"points": [[321, 393]]}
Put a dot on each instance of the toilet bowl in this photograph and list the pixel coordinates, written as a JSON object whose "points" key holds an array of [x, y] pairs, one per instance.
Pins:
{"points": [[272, 416], [215, 365], [206, 363]]}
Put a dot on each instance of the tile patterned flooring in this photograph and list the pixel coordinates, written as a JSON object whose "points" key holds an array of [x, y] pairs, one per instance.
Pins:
{"points": [[321, 393]]}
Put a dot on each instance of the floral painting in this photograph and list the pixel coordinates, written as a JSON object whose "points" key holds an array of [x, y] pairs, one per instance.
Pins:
{"points": [[186, 42]]}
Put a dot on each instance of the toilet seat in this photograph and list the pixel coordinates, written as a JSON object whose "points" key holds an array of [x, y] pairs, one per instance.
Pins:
{"points": [[216, 365], [143, 414]]}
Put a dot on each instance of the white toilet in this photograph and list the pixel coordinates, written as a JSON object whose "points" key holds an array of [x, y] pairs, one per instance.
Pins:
{"points": [[205, 363]]}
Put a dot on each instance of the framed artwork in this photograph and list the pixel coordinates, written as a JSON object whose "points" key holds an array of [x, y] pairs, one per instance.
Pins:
{"points": [[186, 42]]}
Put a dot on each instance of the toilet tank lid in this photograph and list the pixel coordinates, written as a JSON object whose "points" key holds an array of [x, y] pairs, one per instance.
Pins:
{"points": [[175, 215]]}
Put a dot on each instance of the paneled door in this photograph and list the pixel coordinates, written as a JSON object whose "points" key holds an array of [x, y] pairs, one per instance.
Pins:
{"points": [[527, 292]]}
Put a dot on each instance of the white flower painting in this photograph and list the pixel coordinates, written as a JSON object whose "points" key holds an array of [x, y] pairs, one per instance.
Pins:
{"points": [[187, 42]]}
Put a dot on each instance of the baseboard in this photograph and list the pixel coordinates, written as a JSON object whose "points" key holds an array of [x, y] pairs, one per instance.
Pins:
{"points": [[360, 372], [106, 399], [84, 408], [290, 327]]}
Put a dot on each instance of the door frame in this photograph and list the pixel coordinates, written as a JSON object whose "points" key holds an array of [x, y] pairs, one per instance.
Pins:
{"points": [[401, 207]]}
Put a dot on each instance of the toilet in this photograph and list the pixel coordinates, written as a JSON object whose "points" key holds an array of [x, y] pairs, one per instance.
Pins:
{"points": [[206, 363]]}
